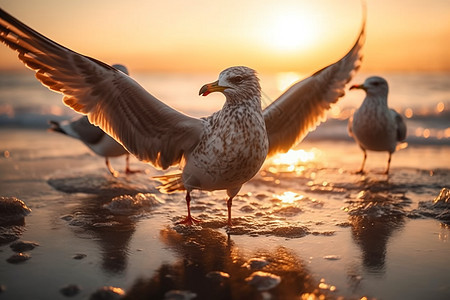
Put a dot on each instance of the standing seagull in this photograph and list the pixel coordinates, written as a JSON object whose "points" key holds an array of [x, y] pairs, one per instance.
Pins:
{"points": [[375, 126], [95, 138], [219, 152]]}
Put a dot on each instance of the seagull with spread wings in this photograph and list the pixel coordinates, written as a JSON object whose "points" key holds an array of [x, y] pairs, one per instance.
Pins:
{"points": [[219, 152]]}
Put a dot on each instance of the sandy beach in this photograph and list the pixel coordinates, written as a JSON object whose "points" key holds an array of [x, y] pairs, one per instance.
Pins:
{"points": [[303, 228]]}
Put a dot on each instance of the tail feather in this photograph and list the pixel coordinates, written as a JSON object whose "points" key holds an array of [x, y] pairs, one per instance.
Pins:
{"points": [[170, 183]]}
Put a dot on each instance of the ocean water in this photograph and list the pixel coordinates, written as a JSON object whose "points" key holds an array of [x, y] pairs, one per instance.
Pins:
{"points": [[422, 98]]}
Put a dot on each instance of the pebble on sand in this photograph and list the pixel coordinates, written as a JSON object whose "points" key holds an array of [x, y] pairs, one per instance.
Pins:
{"points": [[263, 281], [12, 209], [70, 290], [21, 246], [18, 258], [255, 263], [79, 256], [179, 295], [218, 276], [108, 293]]}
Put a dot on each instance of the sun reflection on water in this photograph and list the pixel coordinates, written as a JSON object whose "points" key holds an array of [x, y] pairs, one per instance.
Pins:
{"points": [[294, 157], [293, 160], [289, 197]]}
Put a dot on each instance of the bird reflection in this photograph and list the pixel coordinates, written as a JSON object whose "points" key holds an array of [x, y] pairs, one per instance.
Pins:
{"points": [[372, 235], [113, 233], [204, 251], [114, 243], [374, 217], [89, 219]]}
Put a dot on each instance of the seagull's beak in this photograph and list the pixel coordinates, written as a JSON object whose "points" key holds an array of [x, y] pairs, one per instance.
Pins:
{"points": [[211, 88], [358, 86]]}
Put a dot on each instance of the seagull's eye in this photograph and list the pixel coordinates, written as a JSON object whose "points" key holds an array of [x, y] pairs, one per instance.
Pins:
{"points": [[237, 79]]}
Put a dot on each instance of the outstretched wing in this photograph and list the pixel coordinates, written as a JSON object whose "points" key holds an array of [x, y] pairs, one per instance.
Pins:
{"points": [[303, 106], [148, 128]]}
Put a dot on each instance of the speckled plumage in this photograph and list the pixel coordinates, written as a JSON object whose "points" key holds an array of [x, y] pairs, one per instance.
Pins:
{"points": [[375, 126], [234, 142]]}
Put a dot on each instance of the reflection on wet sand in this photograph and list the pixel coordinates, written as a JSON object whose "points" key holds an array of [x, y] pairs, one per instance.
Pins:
{"points": [[203, 252], [113, 233], [287, 204], [375, 214], [105, 217], [372, 235]]}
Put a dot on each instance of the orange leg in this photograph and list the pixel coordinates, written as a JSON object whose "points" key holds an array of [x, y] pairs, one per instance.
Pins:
{"points": [[388, 164], [110, 168], [189, 220], [127, 169], [229, 203], [361, 171]]}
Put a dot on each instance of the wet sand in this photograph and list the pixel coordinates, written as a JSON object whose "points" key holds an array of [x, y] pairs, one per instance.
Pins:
{"points": [[300, 230]]}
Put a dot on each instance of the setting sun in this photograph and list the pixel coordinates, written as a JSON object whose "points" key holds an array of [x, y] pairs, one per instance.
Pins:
{"points": [[290, 31], [270, 36]]}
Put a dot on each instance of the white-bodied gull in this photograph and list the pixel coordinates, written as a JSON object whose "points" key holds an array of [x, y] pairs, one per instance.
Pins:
{"points": [[95, 138], [375, 126], [219, 152]]}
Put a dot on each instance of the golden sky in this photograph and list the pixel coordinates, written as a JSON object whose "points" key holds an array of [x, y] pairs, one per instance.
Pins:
{"points": [[272, 35]]}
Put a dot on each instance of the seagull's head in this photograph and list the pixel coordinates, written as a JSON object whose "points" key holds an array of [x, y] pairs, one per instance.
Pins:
{"points": [[374, 85], [235, 83], [121, 68]]}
